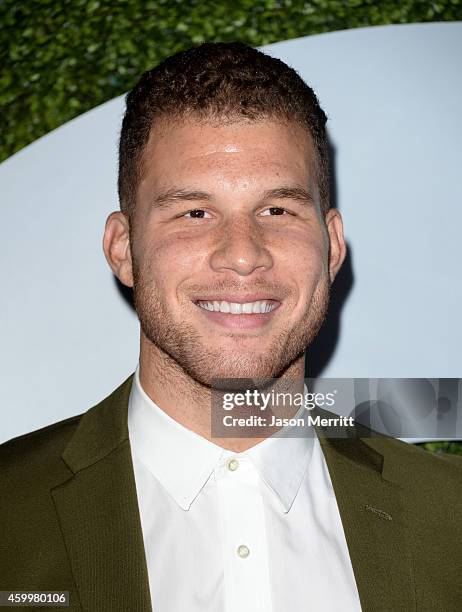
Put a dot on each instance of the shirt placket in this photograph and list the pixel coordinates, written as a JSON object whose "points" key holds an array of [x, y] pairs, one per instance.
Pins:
{"points": [[245, 552]]}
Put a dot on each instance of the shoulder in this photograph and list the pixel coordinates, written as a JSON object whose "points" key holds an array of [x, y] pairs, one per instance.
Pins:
{"points": [[36, 458], [402, 462], [414, 454], [424, 474], [36, 453]]}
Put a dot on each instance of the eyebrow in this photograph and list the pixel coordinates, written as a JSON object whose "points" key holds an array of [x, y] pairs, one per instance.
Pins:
{"points": [[299, 194], [169, 197], [172, 195]]}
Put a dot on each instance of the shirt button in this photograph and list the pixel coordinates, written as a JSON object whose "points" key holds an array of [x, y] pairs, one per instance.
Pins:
{"points": [[243, 551], [233, 464]]}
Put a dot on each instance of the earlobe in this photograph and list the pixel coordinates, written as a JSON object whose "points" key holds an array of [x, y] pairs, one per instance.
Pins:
{"points": [[116, 247], [337, 247]]}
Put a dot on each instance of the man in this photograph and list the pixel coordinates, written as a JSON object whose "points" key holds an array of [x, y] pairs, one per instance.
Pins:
{"points": [[228, 239]]}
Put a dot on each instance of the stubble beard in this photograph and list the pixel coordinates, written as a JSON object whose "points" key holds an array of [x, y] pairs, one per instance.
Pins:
{"points": [[184, 346]]}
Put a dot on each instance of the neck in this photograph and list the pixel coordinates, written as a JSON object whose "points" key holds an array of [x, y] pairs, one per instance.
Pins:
{"points": [[186, 400]]}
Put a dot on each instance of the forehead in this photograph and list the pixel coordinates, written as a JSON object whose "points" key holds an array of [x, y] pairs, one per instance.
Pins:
{"points": [[239, 151]]}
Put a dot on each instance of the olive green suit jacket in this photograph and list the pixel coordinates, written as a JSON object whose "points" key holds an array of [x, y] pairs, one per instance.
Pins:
{"points": [[69, 518]]}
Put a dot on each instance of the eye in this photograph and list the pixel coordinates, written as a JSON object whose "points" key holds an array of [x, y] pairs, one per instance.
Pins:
{"points": [[275, 210], [197, 213]]}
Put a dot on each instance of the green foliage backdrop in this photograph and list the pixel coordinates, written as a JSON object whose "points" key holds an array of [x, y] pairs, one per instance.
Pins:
{"points": [[60, 58]]}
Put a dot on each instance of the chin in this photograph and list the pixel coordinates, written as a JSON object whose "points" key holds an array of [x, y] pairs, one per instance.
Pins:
{"points": [[236, 366]]}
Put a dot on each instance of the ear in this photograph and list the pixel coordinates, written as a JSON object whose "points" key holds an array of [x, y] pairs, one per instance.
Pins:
{"points": [[337, 247], [116, 246]]}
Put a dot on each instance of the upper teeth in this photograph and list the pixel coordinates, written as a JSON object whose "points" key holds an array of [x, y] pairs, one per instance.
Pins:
{"points": [[257, 307]]}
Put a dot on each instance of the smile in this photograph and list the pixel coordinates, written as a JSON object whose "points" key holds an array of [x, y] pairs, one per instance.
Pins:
{"points": [[238, 316], [236, 308]]}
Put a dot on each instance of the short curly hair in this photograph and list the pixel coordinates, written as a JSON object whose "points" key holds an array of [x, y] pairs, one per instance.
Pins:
{"points": [[217, 81]]}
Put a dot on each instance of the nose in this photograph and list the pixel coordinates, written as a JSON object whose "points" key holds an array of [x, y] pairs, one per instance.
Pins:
{"points": [[241, 248]]}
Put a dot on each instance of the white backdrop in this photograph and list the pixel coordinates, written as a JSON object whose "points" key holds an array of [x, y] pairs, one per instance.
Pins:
{"points": [[393, 95]]}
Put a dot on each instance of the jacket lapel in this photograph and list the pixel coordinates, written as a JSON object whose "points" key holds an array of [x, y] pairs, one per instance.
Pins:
{"points": [[98, 511], [370, 502]]}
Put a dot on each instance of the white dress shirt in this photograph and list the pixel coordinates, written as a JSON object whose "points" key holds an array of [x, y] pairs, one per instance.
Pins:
{"points": [[257, 531]]}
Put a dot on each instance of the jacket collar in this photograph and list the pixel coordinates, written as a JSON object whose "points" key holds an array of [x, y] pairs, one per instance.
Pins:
{"points": [[102, 429]]}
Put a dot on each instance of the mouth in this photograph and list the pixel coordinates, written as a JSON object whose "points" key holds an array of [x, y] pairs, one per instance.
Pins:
{"points": [[237, 313]]}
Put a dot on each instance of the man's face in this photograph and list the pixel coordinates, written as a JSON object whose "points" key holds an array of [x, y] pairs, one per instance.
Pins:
{"points": [[252, 245]]}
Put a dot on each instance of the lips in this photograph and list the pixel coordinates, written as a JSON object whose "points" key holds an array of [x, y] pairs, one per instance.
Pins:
{"points": [[238, 313]]}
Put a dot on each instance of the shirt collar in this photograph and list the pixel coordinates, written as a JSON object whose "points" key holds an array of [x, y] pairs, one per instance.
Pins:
{"points": [[182, 461], [282, 459]]}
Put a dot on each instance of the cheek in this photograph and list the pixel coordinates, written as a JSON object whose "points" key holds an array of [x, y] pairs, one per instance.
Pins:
{"points": [[305, 259], [170, 260], [179, 253]]}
